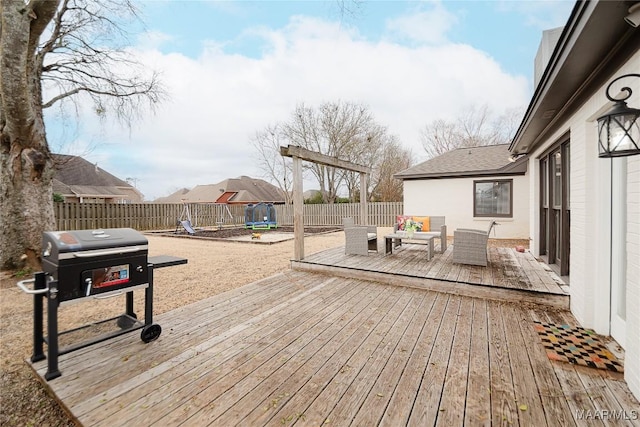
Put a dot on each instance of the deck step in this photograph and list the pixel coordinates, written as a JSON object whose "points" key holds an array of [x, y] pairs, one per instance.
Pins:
{"points": [[473, 290]]}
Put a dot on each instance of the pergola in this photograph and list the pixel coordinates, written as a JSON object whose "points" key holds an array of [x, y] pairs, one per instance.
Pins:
{"points": [[299, 154]]}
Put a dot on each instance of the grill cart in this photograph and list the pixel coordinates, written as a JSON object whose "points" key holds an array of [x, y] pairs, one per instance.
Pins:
{"points": [[83, 265]]}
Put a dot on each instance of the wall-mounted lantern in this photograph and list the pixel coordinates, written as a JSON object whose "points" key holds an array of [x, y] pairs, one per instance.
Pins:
{"points": [[619, 128]]}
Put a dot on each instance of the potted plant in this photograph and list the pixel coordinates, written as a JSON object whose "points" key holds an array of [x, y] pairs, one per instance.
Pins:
{"points": [[411, 226]]}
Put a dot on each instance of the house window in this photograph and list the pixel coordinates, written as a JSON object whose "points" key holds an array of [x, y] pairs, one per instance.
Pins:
{"points": [[493, 198]]}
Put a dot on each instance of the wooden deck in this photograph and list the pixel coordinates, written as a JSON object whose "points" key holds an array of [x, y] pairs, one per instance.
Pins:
{"points": [[509, 275], [310, 349]]}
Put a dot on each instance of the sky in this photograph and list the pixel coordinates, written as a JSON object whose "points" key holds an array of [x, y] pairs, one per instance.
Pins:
{"points": [[232, 68]]}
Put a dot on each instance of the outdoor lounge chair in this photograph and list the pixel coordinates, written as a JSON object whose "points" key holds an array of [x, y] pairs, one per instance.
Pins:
{"points": [[359, 239], [470, 246]]}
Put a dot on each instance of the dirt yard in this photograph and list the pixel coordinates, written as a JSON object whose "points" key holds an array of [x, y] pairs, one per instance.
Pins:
{"points": [[214, 266]]}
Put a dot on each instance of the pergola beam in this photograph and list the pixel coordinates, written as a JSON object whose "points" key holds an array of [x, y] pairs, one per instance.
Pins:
{"points": [[314, 157], [298, 154]]}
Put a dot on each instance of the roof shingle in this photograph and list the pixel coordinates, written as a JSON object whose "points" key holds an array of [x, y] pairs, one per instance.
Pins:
{"points": [[473, 161], [233, 190]]}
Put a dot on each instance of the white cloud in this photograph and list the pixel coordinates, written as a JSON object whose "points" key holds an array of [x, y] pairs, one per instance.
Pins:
{"points": [[153, 39], [423, 26], [542, 15], [219, 100]]}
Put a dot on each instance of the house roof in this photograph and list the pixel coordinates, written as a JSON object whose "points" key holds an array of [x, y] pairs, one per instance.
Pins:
{"points": [[251, 189], [74, 170], [87, 190], [465, 162], [595, 41], [75, 176], [234, 190], [175, 197]]}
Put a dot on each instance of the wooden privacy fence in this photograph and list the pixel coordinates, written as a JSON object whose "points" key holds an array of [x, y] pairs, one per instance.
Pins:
{"points": [[163, 216], [143, 216], [382, 214]]}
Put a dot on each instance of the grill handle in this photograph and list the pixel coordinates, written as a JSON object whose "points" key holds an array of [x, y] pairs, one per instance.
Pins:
{"points": [[89, 254], [23, 285]]}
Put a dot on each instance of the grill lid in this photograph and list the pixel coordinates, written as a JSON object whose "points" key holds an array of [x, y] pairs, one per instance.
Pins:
{"points": [[55, 243]]}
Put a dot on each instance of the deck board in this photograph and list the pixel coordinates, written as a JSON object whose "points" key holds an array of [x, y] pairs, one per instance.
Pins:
{"points": [[427, 401], [403, 400], [556, 408], [527, 395], [503, 399], [311, 349], [347, 407], [478, 404], [453, 395], [392, 356]]}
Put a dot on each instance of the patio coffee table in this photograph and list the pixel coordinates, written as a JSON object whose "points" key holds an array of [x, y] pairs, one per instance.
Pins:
{"points": [[389, 241]]}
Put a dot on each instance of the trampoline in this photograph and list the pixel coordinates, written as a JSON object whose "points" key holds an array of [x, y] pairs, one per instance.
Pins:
{"points": [[260, 216]]}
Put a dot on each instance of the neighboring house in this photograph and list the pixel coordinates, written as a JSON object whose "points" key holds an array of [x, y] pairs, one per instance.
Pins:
{"points": [[585, 210], [470, 187], [176, 197], [78, 180], [232, 191]]}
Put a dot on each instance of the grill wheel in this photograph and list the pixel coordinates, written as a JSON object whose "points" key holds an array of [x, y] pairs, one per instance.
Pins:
{"points": [[150, 333]]}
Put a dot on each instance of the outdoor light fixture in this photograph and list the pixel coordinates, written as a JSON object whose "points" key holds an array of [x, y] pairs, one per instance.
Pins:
{"points": [[516, 157], [633, 18], [619, 128]]}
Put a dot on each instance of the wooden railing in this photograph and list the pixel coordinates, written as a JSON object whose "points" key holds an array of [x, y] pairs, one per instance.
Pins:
{"points": [[163, 216]]}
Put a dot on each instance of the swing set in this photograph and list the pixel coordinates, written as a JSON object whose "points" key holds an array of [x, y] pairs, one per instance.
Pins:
{"points": [[185, 222]]}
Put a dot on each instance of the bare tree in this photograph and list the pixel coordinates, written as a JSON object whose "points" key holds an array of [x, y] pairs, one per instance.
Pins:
{"points": [[69, 49], [394, 158], [275, 167], [474, 127], [366, 151], [339, 129]]}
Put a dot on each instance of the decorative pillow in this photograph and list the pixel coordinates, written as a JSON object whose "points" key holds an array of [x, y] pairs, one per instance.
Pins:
{"points": [[400, 220], [424, 220]]}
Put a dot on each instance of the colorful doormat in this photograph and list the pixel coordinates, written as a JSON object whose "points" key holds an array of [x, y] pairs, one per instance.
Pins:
{"points": [[576, 345]]}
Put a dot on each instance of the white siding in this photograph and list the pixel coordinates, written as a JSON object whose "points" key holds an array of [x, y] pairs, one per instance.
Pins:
{"points": [[590, 201], [632, 361], [453, 198]]}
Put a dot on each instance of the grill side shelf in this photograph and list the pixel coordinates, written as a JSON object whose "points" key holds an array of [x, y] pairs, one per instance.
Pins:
{"points": [[161, 261]]}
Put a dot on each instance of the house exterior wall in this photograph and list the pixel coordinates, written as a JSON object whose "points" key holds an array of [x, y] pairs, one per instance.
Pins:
{"points": [[592, 223], [632, 369], [453, 198]]}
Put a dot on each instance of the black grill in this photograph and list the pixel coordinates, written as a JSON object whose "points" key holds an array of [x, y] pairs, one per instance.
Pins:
{"points": [[85, 264], [90, 262]]}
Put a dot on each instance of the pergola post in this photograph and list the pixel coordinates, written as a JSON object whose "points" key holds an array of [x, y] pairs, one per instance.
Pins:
{"points": [[364, 215], [298, 154], [298, 210]]}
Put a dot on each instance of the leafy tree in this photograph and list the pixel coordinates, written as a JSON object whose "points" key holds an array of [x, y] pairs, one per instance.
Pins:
{"points": [[315, 199], [475, 126], [65, 49]]}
